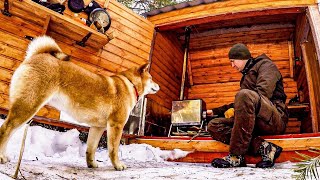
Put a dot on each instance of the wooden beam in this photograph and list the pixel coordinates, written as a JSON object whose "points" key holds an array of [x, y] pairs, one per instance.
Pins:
{"points": [[258, 28], [152, 48], [227, 16], [288, 144], [204, 149], [314, 20], [46, 25], [302, 30], [190, 71], [247, 38], [207, 157], [291, 57], [313, 103], [106, 4]]}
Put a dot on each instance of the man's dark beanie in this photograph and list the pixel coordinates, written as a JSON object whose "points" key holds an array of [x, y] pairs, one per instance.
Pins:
{"points": [[239, 51]]}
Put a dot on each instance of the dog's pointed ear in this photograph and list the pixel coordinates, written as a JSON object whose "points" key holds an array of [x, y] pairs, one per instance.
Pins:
{"points": [[143, 68]]}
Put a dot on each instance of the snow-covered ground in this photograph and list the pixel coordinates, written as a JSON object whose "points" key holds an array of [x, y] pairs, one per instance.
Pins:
{"points": [[55, 155]]}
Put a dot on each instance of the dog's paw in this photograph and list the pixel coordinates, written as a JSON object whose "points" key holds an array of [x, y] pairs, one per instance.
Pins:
{"points": [[93, 164], [3, 159], [120, 166]]}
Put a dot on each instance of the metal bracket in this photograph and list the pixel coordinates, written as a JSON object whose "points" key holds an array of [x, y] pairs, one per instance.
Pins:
{"points": [[29, 37], [84, 40], [6, 8]]}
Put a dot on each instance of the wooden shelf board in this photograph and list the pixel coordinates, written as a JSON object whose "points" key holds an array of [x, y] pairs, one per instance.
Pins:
{"points": [[58, 23]]}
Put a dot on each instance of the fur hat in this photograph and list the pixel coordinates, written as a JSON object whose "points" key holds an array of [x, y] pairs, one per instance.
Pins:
{"points": [[239, 51]]}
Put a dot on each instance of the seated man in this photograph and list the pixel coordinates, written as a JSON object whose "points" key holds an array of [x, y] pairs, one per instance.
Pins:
{"points": [[259, 109]]}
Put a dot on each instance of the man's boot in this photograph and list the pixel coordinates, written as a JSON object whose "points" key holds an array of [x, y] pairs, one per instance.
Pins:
{"points": [[269, 153], [229, 161]]}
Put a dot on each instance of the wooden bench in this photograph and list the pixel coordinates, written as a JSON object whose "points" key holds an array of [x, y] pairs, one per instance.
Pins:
{"points": [[296, 114]]}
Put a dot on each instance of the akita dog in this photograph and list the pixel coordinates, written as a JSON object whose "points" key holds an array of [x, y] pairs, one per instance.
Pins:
{"points": [[46, 76]]}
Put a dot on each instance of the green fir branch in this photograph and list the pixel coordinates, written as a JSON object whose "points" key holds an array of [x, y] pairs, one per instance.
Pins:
{"points": [[307, 168]]}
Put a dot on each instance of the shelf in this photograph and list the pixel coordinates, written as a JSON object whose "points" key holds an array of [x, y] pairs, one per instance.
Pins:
{"points": [[298, 111], [58, 23]]}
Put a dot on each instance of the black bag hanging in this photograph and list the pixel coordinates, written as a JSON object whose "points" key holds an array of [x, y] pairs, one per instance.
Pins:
{"points": [[55, 7], [91, 6], [76, 6]]}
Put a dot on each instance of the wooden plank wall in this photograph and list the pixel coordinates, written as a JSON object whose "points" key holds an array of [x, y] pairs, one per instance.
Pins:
{"points": [[130, 47], [312, 72], [166, 69], [216, 82]]}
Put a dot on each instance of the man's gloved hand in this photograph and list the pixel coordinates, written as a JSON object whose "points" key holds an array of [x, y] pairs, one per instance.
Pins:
{"points": [[209, 113], [229, 113]]}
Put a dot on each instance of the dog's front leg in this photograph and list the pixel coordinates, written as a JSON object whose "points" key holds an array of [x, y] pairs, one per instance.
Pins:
{"points": [[114, 131], [94, 136]]}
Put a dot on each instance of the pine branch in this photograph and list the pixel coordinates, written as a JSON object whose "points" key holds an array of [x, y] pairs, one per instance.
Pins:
{"points": [[307, 168]]}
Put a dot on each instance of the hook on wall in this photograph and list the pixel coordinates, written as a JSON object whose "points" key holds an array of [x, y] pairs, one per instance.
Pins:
{"points": [[5, 11]]}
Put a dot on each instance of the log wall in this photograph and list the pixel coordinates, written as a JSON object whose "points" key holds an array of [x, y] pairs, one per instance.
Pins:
{"points": [[130, 47], [166, 68], [216, 82]]}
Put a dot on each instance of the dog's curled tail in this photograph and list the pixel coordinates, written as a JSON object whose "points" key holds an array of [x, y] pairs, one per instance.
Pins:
{"points": [[45, 44]]}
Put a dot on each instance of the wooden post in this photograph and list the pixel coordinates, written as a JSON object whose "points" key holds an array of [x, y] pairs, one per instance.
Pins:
{"points": [[152, 47], [291, 57], [46, 25], [106, 4], [190, 72], [144, 99], [185, 58], [312, 92], [314, 20]]}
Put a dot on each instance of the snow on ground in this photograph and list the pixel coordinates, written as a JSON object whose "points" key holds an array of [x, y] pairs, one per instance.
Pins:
{"points": [[56, 155]]}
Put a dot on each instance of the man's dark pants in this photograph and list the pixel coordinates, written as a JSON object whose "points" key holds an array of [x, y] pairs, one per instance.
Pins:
{"points": [[255, 115]]}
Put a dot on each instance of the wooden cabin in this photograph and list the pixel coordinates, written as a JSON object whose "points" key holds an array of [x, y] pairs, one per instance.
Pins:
{"points": [[287, 31], [284, 30], [130, 46]]}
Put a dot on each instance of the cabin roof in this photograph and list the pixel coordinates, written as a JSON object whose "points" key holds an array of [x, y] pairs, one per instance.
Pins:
{"points": [[178, 6], [219, 12]]}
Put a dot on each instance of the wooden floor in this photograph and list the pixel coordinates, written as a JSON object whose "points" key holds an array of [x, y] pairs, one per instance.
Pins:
{"points": [[204, 149]]}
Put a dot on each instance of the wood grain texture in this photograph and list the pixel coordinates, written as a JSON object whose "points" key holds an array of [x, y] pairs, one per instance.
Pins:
{"points": [[130, 48], [223, 7]]}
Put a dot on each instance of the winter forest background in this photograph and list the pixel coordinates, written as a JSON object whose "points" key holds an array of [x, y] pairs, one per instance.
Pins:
{"points": [[142, 6]]}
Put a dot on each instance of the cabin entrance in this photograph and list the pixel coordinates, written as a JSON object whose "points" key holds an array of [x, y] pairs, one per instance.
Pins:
{"points": [[285, 35]]}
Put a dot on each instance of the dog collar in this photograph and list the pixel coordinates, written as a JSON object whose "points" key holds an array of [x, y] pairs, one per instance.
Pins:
{"points": [[135, 89], [137, 94]]}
